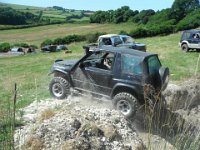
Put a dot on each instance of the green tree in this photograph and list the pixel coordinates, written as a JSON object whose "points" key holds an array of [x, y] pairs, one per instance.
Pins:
{"points": [[180, 8], [143, 16], [192, 20]]}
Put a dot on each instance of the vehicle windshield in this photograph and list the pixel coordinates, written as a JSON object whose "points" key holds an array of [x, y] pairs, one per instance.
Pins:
{"points": [[117, 40], [127, 39]]}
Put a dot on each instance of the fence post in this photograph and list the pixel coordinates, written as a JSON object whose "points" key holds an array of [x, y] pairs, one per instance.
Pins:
{"points": [[14, 109]]}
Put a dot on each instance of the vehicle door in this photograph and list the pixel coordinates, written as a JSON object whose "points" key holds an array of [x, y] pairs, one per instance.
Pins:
{"points": [[92, 75], [153, 66], [195, 41]]}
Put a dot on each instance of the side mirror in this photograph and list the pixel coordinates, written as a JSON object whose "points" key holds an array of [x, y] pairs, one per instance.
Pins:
{"points": [[164, 76]]}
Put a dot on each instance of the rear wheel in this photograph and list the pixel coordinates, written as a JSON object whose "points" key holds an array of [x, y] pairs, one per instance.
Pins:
{"points": [[126, 103], [59, 88], [185, 48]]}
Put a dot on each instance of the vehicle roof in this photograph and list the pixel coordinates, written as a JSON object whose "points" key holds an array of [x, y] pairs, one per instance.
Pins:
{"points": [[123, 35], [108, 35], [192, 31], [125, 51]]}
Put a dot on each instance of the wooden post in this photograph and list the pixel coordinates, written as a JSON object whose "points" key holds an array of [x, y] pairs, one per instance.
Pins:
{"points": [[14, 109], [14, 106]]}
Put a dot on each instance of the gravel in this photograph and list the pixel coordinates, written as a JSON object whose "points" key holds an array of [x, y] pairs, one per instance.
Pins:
{"points": [[76, 123]]}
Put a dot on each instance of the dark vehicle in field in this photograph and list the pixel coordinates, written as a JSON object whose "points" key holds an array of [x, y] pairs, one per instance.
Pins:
{"points": [[118, 74], [114, 40], [190, 39], [49, 48]]}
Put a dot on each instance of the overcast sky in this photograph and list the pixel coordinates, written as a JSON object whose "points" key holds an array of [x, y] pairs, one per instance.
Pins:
{"points": [[97, 4]]}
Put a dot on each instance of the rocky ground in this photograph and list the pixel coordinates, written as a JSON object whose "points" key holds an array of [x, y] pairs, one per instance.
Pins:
{"points": [[75, 123], [79, 123]]}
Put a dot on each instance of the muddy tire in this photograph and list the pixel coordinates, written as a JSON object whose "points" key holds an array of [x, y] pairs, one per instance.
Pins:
{"points": [[59, 88], [125, 103], [184, 48]]}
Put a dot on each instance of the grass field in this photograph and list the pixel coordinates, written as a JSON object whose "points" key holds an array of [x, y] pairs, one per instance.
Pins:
{"points": [[30, 72], [37, 35]]}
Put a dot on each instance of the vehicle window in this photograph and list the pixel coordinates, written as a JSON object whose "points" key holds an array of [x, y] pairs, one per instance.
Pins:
{"points": [[186, 35], [154, 65], [117, 40], [95, 56], [131, 64], [127, 39], [101, 60], [107, 41]]}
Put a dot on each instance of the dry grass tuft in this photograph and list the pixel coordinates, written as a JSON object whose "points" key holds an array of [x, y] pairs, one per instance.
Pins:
{"points": [[76, 144], [111, 133], [46, 114], [33, 143]]}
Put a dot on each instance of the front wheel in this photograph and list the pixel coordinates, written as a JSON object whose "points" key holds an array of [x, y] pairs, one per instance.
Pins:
{"points": [[59, 88], [126, 103], [185, 48]]}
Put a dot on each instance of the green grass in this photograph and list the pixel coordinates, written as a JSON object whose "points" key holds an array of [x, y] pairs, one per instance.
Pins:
{"points": [[37, 35], [30, 72]]}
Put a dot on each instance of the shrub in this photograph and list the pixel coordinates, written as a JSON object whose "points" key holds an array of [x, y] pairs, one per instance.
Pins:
{"points": [[192, 20], [139, 32], [123, 32], [73, 38], [34, 46], [4, 47], [46, 42], [92, 38], [59, 41], [24, 45]]}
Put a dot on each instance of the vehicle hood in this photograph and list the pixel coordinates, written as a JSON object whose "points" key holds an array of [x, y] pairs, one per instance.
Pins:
{"points": [[64, 65], [131, 44]]}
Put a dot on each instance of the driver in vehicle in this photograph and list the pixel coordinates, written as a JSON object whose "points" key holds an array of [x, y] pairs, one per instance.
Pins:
{"points": [[108, 61]]}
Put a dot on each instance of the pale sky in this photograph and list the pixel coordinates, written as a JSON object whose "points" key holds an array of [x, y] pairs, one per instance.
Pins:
{"points": [[97, 4]]}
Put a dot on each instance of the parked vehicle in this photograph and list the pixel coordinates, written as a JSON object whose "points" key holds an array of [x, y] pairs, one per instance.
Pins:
{"points": [[49, 48], [190, 40], [17, 51], [114, 40], [129, 42], [119, 74], [61, 47]]}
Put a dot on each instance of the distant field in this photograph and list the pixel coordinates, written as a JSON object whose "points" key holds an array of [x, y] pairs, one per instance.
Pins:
{"points": [[16, 6], [36, 35], [47, 13]]}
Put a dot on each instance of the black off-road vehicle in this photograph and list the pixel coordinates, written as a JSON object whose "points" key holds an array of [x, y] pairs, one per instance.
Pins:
{"points": [[118, 74], [190, 39]]}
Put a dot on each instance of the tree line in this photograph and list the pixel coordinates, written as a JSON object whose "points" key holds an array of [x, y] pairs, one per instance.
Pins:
{"points": [[183, 14], [10, 16]]}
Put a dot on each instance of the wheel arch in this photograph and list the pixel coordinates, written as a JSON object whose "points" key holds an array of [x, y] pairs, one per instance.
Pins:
{"points": [[185, 42], [63, 74], [124, 88]]}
